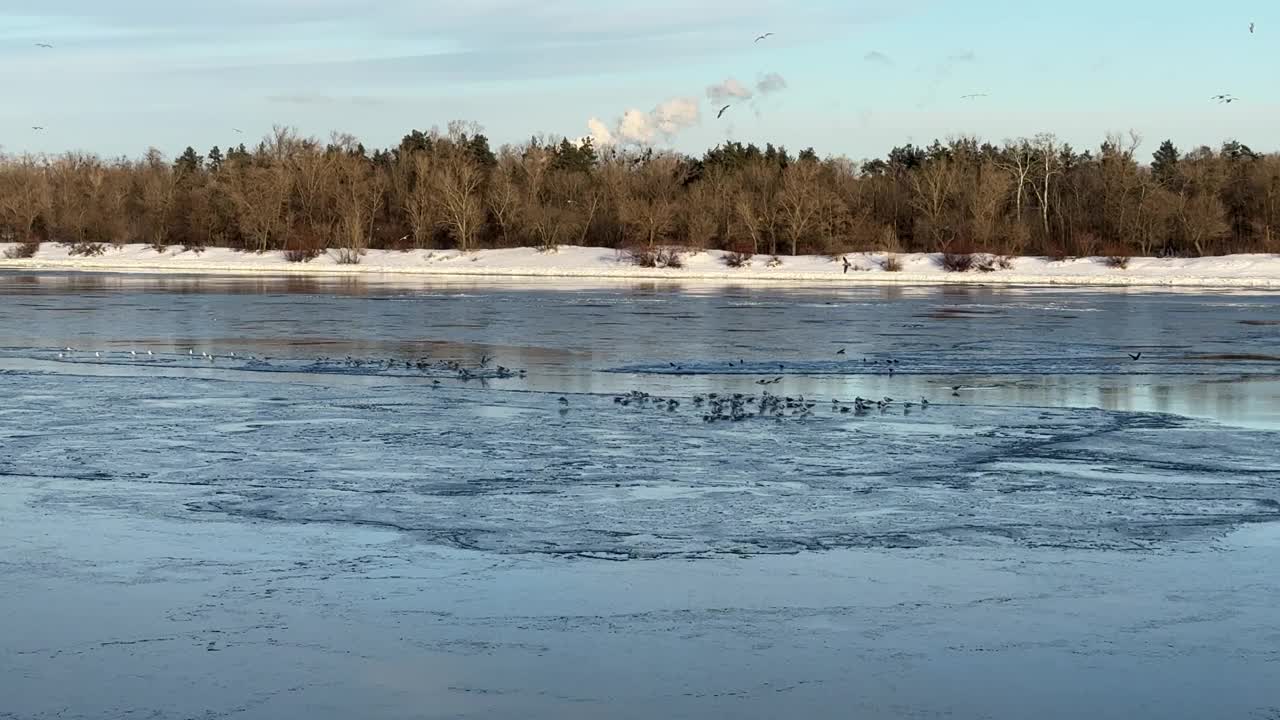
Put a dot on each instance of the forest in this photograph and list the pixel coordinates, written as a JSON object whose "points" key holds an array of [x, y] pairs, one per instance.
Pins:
{"points": [[450, 189]]}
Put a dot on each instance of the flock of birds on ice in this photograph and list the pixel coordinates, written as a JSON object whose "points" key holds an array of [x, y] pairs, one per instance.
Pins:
{"points": [[712, 407]]}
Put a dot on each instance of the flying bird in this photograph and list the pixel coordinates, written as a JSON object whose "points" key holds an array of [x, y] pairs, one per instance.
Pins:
{"points": [[37, 128], [762, 37], [719, 114], [1250, 28], [1133, 356], [238, 130], [1225, 98], [47, 45], [972, 95]]}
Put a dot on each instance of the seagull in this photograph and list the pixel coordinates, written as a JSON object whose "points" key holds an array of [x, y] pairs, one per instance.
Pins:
{"points": [[762, 37], [973, 95], [564, 401], [1250, 28], [238, 130], [719, 114], [50, 47], [1135, 357], [840, 351], [37, 128], [1224, 98]]}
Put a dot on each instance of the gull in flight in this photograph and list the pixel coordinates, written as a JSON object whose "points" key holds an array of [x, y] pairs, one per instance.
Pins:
{"points": [[37, 128], [1250, 28], [1225, 98], [47, 45], [238, 130], [726, 107], [972, 95], [762, 37]]}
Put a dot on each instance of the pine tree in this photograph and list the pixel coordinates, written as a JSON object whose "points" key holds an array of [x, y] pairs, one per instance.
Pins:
{"points": [[1164, 164], [189, 163], [215, 159]]}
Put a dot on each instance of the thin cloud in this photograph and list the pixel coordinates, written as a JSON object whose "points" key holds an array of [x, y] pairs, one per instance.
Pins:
{"points": [[878, 58], [305, 99], [770, 83], [728, 90]]}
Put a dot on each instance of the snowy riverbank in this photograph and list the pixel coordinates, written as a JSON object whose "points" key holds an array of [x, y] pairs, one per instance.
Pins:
{"points": [[1260, 271]]}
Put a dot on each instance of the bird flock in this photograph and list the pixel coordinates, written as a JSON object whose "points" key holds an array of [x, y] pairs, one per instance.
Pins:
{"points": [[1224, 98]]}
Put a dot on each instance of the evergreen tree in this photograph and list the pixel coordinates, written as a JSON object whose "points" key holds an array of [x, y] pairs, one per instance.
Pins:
{"points": [[188, 163], [215, 159], [1164, 164]]}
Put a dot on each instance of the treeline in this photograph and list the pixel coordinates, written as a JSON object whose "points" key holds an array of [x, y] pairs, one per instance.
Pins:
{"points": [[451, 189]]}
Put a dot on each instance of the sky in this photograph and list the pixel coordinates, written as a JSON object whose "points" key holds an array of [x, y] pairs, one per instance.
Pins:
{"points": [[847, 77]]}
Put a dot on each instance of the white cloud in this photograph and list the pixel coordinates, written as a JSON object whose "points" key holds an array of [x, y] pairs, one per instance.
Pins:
{"points": [[637, 127]]}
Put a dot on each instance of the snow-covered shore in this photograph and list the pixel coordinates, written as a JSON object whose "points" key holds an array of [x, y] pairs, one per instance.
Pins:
{"points": [[1256, 271]]}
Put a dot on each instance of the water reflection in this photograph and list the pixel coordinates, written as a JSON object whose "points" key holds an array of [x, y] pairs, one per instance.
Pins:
{"points": [[1205, 354]]}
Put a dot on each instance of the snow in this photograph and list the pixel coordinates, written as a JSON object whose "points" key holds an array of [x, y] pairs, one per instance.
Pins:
{"points": [[1251, 271]]}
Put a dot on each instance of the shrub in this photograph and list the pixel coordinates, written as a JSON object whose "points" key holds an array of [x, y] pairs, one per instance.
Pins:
{"points": [[1115, 255], [641, 257], [87, 249], [1004, 262], [774, 261], [891, 263], [351, 256], [737, 259], [195, 247], [663, 257], [670, 258], [22, 251], [302, 255], [957, 262], [160, 246]]}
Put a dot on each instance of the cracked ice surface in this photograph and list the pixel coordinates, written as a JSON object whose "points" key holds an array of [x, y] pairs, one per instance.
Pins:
{"points": [[512, 473]]}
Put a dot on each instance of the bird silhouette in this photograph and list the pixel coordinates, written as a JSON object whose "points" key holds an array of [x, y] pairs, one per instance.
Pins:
{"points": [[762, 37], [721, 113], [1132, 356], [1224, 98], [50, 47], [37, 128], [238, 130], [840, 351], [1250, 28], [973, 95]]}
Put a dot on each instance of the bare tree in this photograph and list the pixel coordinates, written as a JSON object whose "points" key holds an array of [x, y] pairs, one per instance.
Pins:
{"points": [[1019, 161], [933, 184], [261, 195], [359, 195], [459, 183], [25, 195], [800, 201], [1048, 166], [649, 208], [987, 200]]}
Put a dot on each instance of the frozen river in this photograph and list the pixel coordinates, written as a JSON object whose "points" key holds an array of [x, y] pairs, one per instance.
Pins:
{"points": [[523, 501]]}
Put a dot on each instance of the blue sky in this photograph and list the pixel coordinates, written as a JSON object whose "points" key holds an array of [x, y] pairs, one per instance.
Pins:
{"points": [[861, 75]]}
